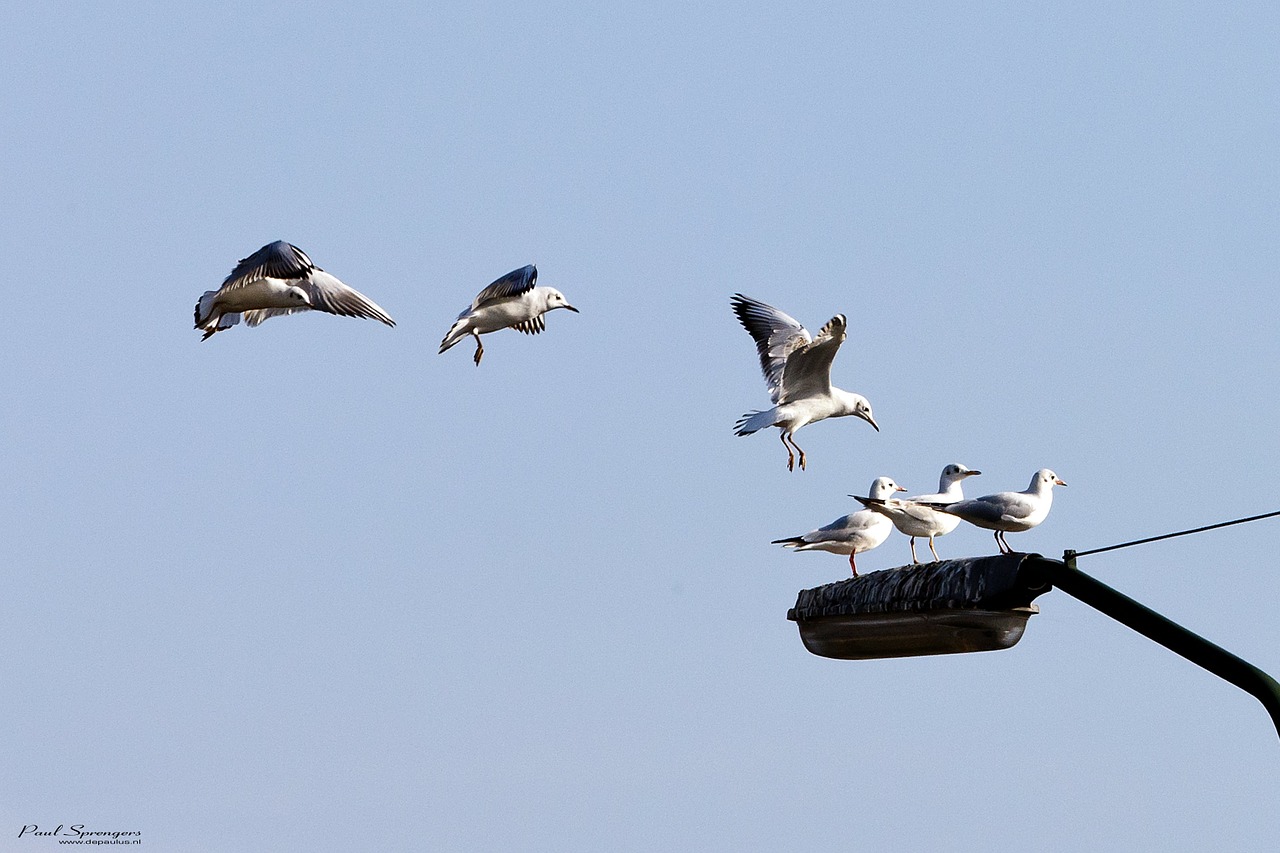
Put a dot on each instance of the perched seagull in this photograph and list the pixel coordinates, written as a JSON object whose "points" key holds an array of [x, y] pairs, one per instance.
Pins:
{"points": [[797, 371], [913, 518], [857, 532], [279, 279], [512, 301], [1009, 512]]}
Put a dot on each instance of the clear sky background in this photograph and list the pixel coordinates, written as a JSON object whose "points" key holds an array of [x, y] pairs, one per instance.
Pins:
{"points": [[311, 586]]}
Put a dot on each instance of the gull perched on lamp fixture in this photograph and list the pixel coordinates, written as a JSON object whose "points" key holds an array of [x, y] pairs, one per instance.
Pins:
{"points": [[914, 518], [1009, 512]]}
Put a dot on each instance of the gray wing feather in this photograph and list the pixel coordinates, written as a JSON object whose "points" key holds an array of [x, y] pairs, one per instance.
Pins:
{"points": [[274, 260], [256, 316], [332, 296], [532, 326], [992, 508], [776, 334], [513, 283], [807, 371]]}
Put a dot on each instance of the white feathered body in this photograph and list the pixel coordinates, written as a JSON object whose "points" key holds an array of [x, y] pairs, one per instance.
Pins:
{"points": [[854, 533]]}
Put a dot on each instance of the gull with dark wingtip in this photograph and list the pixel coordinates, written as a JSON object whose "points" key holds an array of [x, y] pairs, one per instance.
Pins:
{"points": [[279, 279], [514, 301], [1009, 512], [797, 371], [913, 517], [854, 533]]}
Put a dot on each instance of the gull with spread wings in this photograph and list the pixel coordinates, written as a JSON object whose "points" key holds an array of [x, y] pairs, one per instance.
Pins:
{"points": [[279, 279], [797, 371], [514, 301]]}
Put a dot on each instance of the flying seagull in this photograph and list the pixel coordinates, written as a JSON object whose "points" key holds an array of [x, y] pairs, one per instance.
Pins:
{"points": [[513, 301], [797, 371], [913, 518], [857, 532], [279, 279], [1009, 512]]}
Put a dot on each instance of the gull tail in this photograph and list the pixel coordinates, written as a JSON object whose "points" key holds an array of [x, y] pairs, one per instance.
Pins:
{"points": [[789, 542], [208, 321], [456, 333], [754, 421], [204, 307]]}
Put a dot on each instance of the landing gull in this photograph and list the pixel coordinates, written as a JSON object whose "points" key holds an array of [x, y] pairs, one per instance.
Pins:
{"points": [[797, 371], [514, 301], [279, 279], [913, 518], [854, 533]]}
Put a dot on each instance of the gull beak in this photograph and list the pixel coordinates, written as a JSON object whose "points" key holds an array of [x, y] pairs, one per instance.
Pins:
{"points": [[1059, 482], [973, 473], [900, 489], [571, 308], [872, 421]]}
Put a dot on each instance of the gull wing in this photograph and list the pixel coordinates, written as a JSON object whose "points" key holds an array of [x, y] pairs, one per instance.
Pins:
{"points": [[777, 336], [274, 260], [513, 283], [807, 372], [532, 326], [257, 315], [1006, 506], [330, 295]]}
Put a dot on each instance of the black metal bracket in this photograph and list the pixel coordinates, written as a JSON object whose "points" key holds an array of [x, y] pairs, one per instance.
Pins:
{"points": [[1065, 576]]}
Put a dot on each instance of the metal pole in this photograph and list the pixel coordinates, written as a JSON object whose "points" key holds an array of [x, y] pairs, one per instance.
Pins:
{"points": [[1066, 577]]}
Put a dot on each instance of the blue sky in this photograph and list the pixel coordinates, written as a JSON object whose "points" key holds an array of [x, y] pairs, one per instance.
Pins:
{"points": [[311, 586]]}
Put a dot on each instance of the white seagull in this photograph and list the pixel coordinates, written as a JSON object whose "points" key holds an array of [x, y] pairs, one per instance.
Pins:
{"points": [[279, 279], [913, 518], [857, 532], [1009, 512], [797, 371], [513, 301]]}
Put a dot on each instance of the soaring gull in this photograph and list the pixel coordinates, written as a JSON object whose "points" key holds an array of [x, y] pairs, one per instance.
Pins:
{"points": [[797, 371], [279, 279], [513, 301], [1009, 512], [854, 533], [913, 518]]}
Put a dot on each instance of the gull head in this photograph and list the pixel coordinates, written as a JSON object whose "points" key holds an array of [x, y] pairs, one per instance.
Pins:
{"points": [[298, 295], [1044, 480], [555, 299], [862, 409], [883, 488], [955, 471]]}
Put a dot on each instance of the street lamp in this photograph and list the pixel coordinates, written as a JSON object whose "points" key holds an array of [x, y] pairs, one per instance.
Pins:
{"points": [[983, 604]]}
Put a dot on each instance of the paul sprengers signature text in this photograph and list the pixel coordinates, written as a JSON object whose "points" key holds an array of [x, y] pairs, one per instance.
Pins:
{"points": [[77, 834]]}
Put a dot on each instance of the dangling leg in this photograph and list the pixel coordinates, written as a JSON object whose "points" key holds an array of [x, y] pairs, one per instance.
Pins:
{"points": [[935, 553], [479, 348], [1004, 546], [913, 550], [791, 457], [853, 565]]}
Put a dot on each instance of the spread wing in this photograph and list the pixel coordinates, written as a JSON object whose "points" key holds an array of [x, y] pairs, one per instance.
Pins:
{"points": [[330, 295], [256, 316], [807, 372], [777, 336], [513, 283], [532, 326], [274, 260]]}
